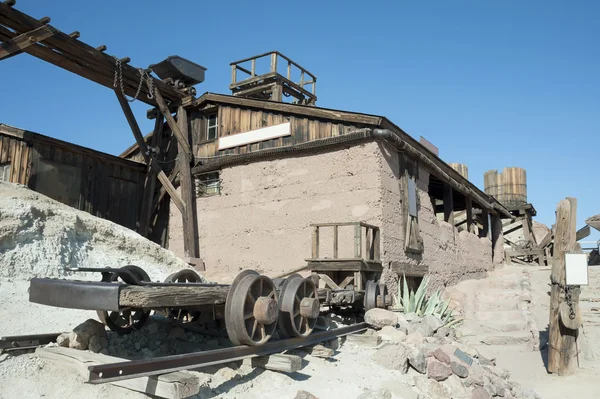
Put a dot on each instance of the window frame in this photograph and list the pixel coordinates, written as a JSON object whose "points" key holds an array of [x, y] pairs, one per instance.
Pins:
{"points": [[208, 184], [209, 126]]}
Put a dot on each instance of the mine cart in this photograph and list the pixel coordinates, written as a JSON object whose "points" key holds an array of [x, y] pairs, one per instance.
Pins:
{"points": [[253, 306], [352, 279]]}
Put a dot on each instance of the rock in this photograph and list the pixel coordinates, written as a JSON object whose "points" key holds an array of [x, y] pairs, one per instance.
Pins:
{"points": [[399, 389], [483, 352], [393, 357], [442, 332], [476, 376], [97, 343], [380, 318], [498, 372], [480, 393], [391, 334], [152, 328], [137, 346], [177, 333], [459, 391], [417, 359], [381, 393], [486, 362], [437, 370], [63, 340], [401, 317], [404, 326], [432, 322], [80, 337], [410, 317], [415, 338], [431, 388], [496, 386], [304, 395], [459, 370], [442, 356]]}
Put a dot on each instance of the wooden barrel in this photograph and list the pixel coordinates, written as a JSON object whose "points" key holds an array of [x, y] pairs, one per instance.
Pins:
{"points": [[509, 187], [462, 169]]}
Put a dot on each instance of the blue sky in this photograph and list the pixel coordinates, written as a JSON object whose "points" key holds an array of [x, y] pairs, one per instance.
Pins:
{"points": [[491, 83]]}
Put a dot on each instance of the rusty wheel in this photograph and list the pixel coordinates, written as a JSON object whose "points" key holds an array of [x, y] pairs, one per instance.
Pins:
{"points": [[298, 307], [127, 320], [371, 294], [183, 315], [251, 310]]}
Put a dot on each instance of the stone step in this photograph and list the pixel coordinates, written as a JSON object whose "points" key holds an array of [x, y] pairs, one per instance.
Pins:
{"points": [[500, 338]]}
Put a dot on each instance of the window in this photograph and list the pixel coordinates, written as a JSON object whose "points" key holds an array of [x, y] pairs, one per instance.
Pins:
{"points": [[5, 171], [208, 184], [212, 127]]}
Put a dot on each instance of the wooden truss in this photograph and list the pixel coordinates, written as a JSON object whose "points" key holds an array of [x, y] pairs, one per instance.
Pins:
{"points": [[21, 33]]}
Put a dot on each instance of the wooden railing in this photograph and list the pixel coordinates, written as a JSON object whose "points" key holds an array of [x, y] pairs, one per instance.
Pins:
{"points": [[306, 78], [371, 243]]}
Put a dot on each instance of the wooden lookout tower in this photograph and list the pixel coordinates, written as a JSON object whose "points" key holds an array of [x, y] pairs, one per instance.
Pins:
{"points": [[261, 79]]}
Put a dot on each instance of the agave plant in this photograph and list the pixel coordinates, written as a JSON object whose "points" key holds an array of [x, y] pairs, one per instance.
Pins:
{"points": [[419, 303]]}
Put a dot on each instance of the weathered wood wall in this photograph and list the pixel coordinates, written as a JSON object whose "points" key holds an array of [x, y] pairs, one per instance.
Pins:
{"points": [[103, 185], [233, 120]]}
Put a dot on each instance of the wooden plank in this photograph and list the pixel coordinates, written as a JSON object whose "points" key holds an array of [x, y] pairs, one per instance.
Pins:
{"points": [[277, 362], [469, 209], [171, 296], [448, 204], [346, 281], [150, 181], [19, 43], [319, 350], [409, 269], [377, 245], [343, 265], [315, 242], [182, 138], [559, 357], [180, 384], [546, 240], [583, 233], [357, 241], [335, 242], [329, 282], [190, 221]]}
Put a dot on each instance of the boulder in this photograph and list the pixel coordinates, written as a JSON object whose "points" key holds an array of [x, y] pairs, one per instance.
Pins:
{"points": [[391, 334], [480, 393], [496, 386], [498, 372], [400, 389], [417, 359], [459, 369], [476, 376], [432, 323], [63, 340], [404, 326], [177, 333], [97, 343], [437, 370], [459, 391], [411, 317], [442, 356], [415, 338], [80, 336], [381, 393], [393, 357], [380, 318], [431, 388]]}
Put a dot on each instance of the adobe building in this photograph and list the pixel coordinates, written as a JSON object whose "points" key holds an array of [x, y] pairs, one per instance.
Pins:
{"points": [[265, 171]]}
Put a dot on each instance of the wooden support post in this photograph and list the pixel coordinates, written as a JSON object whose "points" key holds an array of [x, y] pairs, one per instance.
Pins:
{"points": [[377, 245], [357, 241], [277, 92], [448, 204], [562, 348], [150, 182], [335, 242], [369, 244], [139, 138], [485, 226], [18, 43], [233, 74], [273, 62], [315, 242], [184, 160], [253, 67], [497, 239], [182, 138], [469, 205]]}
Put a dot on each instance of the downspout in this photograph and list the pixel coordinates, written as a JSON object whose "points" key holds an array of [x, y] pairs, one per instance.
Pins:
{"points": [[396, 140]]}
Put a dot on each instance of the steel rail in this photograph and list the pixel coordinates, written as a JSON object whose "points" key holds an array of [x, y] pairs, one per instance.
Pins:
{"points": [[143, 368], [20, 342]]}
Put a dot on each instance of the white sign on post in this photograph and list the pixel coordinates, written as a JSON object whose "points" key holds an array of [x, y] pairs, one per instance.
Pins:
{"points": [[576, 269]]}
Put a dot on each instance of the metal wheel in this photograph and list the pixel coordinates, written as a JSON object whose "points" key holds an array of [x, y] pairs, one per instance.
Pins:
{"points": [[183, 315], [371, 294], [127, 320], [251, 310], [298, 307]]}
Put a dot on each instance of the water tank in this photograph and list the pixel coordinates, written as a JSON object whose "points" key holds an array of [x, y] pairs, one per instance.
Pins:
{"points": [[509, 187], [462, 169]]}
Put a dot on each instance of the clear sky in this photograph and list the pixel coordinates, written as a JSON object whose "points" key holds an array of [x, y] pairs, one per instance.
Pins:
{"points": [[491, 83]]}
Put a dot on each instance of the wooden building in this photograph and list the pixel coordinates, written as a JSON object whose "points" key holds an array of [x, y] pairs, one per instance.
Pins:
{"points": [[103, 185]]}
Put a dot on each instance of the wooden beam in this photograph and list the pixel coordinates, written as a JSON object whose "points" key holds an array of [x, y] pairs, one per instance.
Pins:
{"points": [[335, 242], [21, 42], [182, 139], [150, 182], [583, 233], [559, 356], [315, 242], [329, 282], [277, 362], [469, 209], [180, 384], [149, 297], [448, 204], [139, 138], [184, 160]]}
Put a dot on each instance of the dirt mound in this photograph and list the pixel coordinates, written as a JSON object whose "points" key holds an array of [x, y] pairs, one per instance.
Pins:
{"points": [[39, 237]]}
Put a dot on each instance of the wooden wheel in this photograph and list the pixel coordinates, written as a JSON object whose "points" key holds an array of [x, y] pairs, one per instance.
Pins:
{"points": [[127, 320], [298, 307], [183, 315], [251, 310]]}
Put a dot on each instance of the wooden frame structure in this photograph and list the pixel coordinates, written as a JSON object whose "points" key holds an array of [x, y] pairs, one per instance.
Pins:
{"points": [[21, 33], [271, 85]]}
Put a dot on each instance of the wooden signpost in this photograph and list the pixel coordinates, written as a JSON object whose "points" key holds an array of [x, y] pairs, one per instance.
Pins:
{"points": [[564, 300]]}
